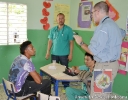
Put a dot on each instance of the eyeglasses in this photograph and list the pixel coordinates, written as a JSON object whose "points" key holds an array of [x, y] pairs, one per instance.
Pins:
{"points": [[93, 12]]}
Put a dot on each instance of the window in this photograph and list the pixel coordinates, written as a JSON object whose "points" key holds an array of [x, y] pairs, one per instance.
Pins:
{"points": [[13, 23]]}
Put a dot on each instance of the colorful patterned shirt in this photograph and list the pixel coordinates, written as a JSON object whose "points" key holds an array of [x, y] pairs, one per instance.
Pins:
{"points": [[19, 71]]}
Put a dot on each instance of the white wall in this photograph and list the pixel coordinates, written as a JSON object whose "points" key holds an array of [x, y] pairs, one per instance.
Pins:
{"points": [[35, 11]]}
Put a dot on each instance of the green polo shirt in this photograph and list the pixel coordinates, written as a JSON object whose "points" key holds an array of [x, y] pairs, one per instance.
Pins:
{"points": [[61, 40]]}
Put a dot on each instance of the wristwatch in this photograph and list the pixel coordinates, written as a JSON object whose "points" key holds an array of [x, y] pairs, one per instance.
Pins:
{"points": [[81, 43]]}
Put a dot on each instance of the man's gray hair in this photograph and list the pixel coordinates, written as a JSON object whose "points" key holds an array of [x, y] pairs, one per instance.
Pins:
{"points": [[102, 5]]}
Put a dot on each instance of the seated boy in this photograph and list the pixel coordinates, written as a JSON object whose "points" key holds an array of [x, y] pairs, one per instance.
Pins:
{"points": [[74, 94], [23, 73]]}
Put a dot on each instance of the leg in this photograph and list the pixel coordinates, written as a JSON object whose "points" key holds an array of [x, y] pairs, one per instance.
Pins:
{"points": [[64, 61], [29, 78], [53, 80], [45, 87], [54, 57], [66, 84], [114, 66], [32, 87], [76, 94]]}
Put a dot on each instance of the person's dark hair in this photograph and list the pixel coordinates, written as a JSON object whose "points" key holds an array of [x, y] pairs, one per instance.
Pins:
{"points": [[87, 54], [60, 14], [102, 5], [24, 45]]}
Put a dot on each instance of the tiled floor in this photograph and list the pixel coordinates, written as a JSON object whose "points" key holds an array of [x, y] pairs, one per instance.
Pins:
{"points": [[2, 93], [61, 95]]}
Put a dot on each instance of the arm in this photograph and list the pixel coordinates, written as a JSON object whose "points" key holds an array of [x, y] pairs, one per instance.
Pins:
{"points": [[84, 46], [40, 76], [36, 77], [48, 49], [83, 75], [75, 68], [50, 36], [97, 43], [80, 68], [71, 50]]}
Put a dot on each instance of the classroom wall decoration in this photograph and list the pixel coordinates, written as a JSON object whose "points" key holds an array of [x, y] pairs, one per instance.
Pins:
{"points": [[47, 4], [123, 61], [84, 14], [45, 13], [62, 8], [113, 13]]}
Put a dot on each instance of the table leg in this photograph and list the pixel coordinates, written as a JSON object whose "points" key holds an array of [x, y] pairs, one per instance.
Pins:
{"points": [[56, 87], [41, 73]]}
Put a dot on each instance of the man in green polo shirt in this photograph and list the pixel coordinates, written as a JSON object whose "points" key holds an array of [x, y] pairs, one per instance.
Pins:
{"points": [[60, 43]]}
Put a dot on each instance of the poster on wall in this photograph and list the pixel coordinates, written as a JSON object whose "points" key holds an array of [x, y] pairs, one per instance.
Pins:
{"points": [[84, 15], [62, 8], [86, 12], [113, 13]]}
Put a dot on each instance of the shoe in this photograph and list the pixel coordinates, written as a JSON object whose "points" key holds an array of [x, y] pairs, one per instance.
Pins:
{"points": [[63, 91]]}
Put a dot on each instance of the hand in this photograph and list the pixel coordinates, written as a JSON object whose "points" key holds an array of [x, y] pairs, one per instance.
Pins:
{"points": [[70, 57], [47, 55], [77, 71], [78, 39], [74, 68]]}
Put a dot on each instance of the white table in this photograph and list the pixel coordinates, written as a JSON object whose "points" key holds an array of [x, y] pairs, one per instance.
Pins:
{"points": [[57, 74]]}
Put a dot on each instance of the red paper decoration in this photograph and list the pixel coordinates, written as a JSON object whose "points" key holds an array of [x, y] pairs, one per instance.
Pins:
{"points": [[44, 20], [113, 13], [46, 4], [45, 13], [46, 26]]}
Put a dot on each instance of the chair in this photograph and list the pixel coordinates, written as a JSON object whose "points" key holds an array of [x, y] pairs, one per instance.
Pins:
{"points": [[42, 96], [10, 91]]}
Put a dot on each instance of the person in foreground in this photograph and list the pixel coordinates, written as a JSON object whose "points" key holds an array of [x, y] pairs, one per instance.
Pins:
{"points": [[105, 45], [21, 68], [76, 94]]}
